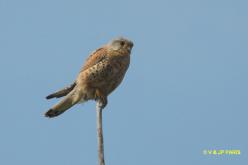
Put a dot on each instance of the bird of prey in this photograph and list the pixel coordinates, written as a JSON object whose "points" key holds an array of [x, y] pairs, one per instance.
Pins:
{"points": [[102, 72]]}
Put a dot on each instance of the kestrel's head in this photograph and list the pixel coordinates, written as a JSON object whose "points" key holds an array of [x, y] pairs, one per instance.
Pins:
{"points": [[121, 44]]}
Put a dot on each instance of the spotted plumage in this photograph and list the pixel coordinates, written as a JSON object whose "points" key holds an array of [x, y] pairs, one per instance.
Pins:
{"points": [[102, 72]]}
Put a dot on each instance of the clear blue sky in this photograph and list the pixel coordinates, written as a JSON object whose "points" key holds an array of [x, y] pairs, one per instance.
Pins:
{"points": [[185, 91]]}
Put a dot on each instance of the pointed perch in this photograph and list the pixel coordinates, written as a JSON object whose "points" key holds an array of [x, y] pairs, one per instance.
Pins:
{"points": [[99, 108]]}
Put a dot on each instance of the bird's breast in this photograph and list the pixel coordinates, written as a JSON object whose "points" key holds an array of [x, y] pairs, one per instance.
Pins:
{"points": [[119, 68]]}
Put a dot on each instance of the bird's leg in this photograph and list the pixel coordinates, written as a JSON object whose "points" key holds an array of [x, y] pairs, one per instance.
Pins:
{"points": [[101, 99]]}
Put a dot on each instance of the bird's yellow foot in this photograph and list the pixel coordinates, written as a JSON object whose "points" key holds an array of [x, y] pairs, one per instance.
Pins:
{"points": [[101, 98]]}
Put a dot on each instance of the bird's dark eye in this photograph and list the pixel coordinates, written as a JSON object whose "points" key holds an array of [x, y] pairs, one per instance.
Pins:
{"points": [[122, 43]]}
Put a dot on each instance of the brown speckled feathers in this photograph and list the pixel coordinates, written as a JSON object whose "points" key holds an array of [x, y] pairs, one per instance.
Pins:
{"points": [[102, 72]]}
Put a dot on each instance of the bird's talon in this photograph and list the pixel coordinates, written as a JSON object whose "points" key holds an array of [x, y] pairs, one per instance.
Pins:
{"points": [[101, 99]]}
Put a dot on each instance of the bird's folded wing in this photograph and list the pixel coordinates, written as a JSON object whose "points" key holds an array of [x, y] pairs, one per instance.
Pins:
{"points": [[94, 58], [98, 74], [62, 92]]}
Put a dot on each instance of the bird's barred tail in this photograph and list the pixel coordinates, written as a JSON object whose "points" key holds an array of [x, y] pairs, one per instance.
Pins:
{"points": [[66, 103]]}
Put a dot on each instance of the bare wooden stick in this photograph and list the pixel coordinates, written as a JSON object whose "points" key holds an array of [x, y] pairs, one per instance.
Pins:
{"points": [[99, 109]]}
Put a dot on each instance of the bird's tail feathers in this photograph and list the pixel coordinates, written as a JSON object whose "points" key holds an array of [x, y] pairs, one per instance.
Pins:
{"points": [[71, 99]]}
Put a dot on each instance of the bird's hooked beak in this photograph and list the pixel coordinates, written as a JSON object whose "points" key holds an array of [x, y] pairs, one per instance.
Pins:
{"points": [[130, 46]]}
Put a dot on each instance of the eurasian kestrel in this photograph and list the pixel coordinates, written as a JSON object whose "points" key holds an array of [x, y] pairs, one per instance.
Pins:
{"points": [[102, 72]]}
